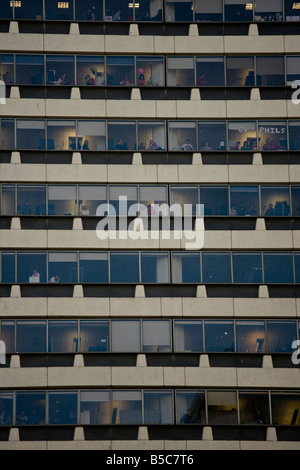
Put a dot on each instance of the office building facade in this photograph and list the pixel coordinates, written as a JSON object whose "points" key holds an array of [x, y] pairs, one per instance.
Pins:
{"points": [[113, 116]]}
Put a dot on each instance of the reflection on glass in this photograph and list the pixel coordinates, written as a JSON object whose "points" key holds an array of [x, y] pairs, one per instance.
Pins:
{"points": [[158, 407], [62, 200], [285, 408], [244, 200], [219, 336], [30, 134], [30, 69], [222, 407], [208, 11], [8, 199], [156, 336], [281, 335], [186, 197], [250, 336], [7, 334], [178, 11], [63, 407], [254, 408], [238, 10], [31, 336], [126, 407], [8, 267], [268, 10], [124, 267], [154, 267], [95, 407], [270, 71], [31, 200], [7, 68], [122, 135], [30, 408], [94, 336], [89, 10], [8, 134], [294, 135], [190, 407], [295, 190], [188, 335], [214, 199], [63, 336], [57, 10]]}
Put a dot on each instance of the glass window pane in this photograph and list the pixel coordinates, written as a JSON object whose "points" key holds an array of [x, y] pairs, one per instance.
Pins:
{"points": [[118, 10], [90, 198], [61, 135], [268, 10], [254, 408], [270, 71], [150, 71], [8, 134], [30, 408], [125, 336], [275, 201], [89, 10], [31, 336], [291, 13], [285, 408], [240, 71], [122, 197], [222, 407], [8, 269], [180, 70], [294, 135], [186, 197], [216, 267], [120, 70], [30, 134], [158, 407], [151, 135], [214, 199], [31, 267], [7, 334], [242, 135], [244, 200], [63, 336], [63, 267], [295, 195], [94, 336], [91, 135], [250, 336], [186, 268], [31, 200], [278, 268], [209, 70], [188, 335], [30, 69], [8, 199], [6, 407], [238, 10], [59, 10], [247, 267], [124, 267], [149, 10], [60, 70], [179, 11], [212, 136], [62, 200], [280, 335], [292, 68], [90, 70], [208, 11], [182, 135], [63, 407], [93, 267], [154, 267], [190, 407], [122, 135], [6, 9], [29, 10], [219, 336], [156, 335], [272, 136], [95, 407], [7, 67], [127, 407], [297, 267]]}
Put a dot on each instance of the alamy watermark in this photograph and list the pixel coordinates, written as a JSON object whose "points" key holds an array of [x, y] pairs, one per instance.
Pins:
{"points": [[296, 94], [2, 92], [188, 224]]}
